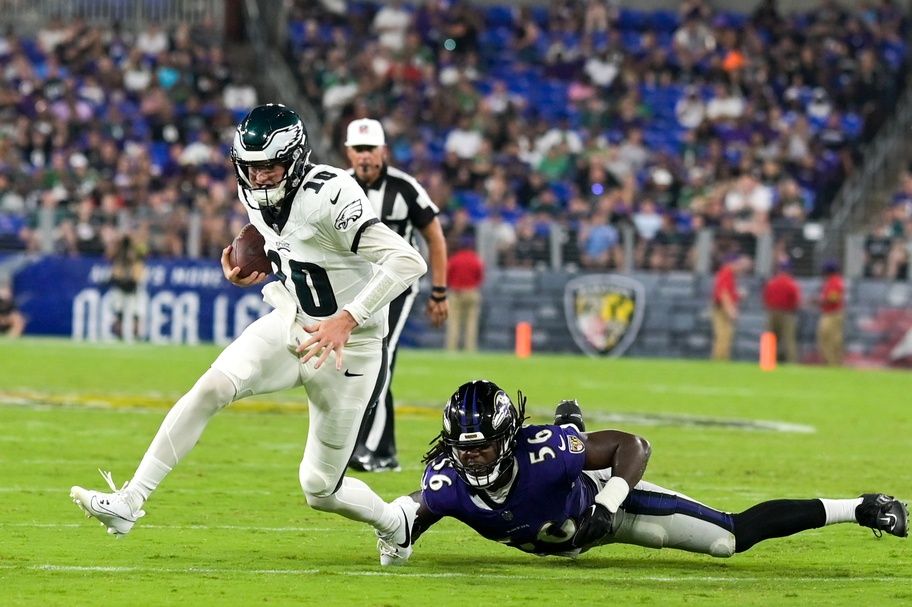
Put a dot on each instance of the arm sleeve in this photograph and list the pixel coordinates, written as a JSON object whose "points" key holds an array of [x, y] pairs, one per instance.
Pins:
{"points": [[398, 266]]}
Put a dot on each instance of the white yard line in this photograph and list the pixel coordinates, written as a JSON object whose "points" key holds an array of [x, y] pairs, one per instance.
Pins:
{"points": [[64, 490], [180, 527], [254, 528], [564, 574]]}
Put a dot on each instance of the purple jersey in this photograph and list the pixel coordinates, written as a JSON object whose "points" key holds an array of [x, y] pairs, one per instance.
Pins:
{"points": [[548, 495]]}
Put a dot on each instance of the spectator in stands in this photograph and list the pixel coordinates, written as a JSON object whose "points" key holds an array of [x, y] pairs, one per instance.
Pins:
{"points": [[694, 40], [465, 276], [782, 298], [603, 67], [725, 299], [81, 90], [457, 226], [391, 23], [790, 209], [647, 220], [532, 247], [465, 140], [12, 322], [127, 270], [600, 242], [832, 304], [671, 249], [750, 202], [526, 36], [497, 237], [726, 105], [877, 248], [690, 109]]}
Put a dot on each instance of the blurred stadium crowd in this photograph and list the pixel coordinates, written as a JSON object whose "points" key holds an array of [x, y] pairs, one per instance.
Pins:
{"points": [[105, 131], [579, 117]]}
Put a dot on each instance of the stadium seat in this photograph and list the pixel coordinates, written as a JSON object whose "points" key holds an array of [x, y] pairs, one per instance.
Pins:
{"points": [[664, 21], [632, 19], [499, 16]]}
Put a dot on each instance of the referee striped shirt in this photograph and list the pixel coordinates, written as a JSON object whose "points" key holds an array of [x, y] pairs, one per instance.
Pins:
{"points": [[400, 202]]}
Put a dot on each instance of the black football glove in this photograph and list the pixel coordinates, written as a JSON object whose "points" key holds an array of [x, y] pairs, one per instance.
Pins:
{"points": [[593, 525]]}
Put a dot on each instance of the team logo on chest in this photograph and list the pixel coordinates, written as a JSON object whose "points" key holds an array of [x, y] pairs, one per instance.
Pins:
{"points": [[604, 312]]}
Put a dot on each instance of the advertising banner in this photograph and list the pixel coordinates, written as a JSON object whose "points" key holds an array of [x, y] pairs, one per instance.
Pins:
{"points": [[178, 301]]}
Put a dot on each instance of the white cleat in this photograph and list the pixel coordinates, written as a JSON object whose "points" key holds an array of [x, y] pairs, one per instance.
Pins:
{"points": [[395, 549], [113, 510]]}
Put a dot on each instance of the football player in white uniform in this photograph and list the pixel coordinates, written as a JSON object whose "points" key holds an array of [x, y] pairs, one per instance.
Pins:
{"points": [[338, 268]]}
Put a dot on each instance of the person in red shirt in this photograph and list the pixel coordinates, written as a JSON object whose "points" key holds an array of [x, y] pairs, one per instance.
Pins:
{"points": [[465, 274], [782, 298], [725, 304], [830, 325]]}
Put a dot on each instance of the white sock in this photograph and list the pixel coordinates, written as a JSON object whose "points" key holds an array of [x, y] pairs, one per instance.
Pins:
{"points": [[150, 472], [355, 500], [840, 511]]}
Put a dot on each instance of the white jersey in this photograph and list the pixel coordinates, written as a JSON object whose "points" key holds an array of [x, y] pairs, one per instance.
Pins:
{"points": [[314, 242]]}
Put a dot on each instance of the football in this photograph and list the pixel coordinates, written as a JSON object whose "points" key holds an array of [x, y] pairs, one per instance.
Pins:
{"points": [[248, 253]]}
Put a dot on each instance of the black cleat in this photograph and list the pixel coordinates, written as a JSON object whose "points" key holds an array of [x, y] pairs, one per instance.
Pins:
{"points": [[359, 458], [883, 513], [383, 464], [569, 412], [365, 461]]}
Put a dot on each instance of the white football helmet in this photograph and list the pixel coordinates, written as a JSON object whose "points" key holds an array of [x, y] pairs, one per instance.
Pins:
{"points": [[270, 134]]}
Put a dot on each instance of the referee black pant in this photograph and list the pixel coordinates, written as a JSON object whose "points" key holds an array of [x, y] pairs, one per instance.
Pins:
{"points": [[378, 430]]}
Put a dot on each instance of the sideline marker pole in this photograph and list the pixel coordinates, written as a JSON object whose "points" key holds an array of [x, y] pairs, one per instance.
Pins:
{"points": [[523, 340], [768, 351]]}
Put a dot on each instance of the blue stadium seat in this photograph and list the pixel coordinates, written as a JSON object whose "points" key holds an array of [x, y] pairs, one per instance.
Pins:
{"points": [[32, 51], [402, 151], [296, 36], [483, 87], [540, 15], [562, 190], [499, 16], [731, 19], [631, 19], [630, 40], [159, 151], [599, 40], [495, 40], [665, 21], [852, 124]]}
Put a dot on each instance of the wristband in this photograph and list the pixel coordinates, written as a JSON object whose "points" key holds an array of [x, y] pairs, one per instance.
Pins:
{"points": [[438, 298], [438, 289], [613, 494]]}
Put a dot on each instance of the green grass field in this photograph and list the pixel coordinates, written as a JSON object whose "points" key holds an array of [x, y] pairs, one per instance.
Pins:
{"points": [[230, 526]]}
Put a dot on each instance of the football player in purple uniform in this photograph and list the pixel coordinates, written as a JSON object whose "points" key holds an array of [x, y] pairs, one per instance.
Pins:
{"points": [[558, 490]]}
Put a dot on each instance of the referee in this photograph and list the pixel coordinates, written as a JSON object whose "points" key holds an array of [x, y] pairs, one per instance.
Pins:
{"points": [[402, 204]]}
